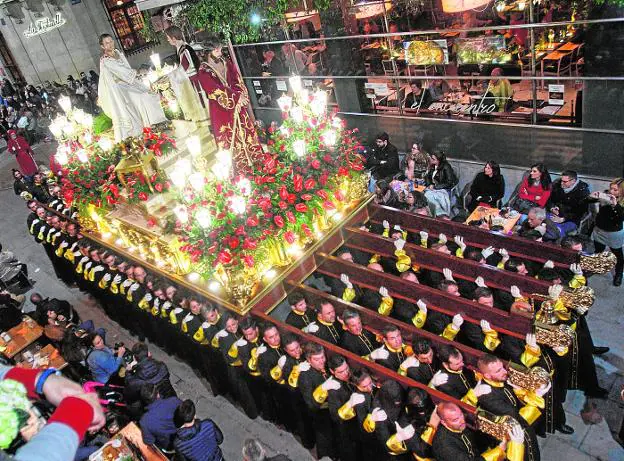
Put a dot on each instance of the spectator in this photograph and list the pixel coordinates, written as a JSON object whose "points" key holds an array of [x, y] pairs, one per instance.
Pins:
{"points": [[385, 195], [103, 363], [24, 155], [383, 159], [488, 187], [39, 189], [294, 58], [501, 90], [538, 221], [145, 369], [254, 451], [439, 179], [568, 201], [417, 98], [609, 230], [157, 423], [20, 185], [415, 202], [415, 163], [534, 190], [196, 440]]}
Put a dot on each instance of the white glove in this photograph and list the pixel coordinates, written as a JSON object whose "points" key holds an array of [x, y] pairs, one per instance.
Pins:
{"points": [[504, 254], [442, 238], [448, 274], [383, 291], [330, 385], [84, 259], [487, 252], [344, 278], [404, 433], [380, 354], [379, 415], [516, 434], [482, 389], [241, 342], [304, 366], [554, 291], [281, 361], [261, 349], [134, 287], [73, 247], [410, 362], [439, 378], [221, 333], [576, 269], [107, 277], [531, 341], [98, 269], [515, 292], [423, 236], [549, 264], [485, 326], [559, 349], [459, 240], [148, 297], [64, 244], [399, 244], [479, 197], [312, 327], [480, 282], [581, 310], [544, 389], [117, 278], [458, 320], [422, 307], [397, 227], [386, 224], [355, 399]]}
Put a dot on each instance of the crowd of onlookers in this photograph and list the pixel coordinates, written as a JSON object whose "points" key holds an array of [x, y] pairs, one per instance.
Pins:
{"points": [[426, 183], [29, 108]]}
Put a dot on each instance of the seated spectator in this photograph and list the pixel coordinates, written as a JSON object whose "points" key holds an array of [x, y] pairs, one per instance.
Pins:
{"points": [[385, 195], [103, 363], [438, 89], [439, 179], [488, 187], [157, 423], [568, 201], [501, 90], [534, 190], [196, 440], [254, 451], [20, 185], [538, 221], [383, 158], [145, 369], [415, 163], [415, 202], [417, 98]]}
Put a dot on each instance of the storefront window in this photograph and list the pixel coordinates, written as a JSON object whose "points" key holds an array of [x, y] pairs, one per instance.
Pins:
{"points": [[127, 22]]}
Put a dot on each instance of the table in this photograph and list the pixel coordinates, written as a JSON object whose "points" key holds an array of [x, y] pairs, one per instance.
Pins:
{"points": [[569, 47], [120, 447], [48, 357], [132, 433], [22, 336], [484, 212]]}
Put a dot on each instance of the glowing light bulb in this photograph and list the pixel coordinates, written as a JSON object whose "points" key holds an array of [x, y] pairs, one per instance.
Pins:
{"points": [[295, 83], [78, 115], [65, 103], [319, 103], [88, 138], [214, 286], [178, 178], [284, 103], [82, 156], [270, 274], [173, 105], [244, 186], [203, 218], [337, 122], [299, 146], [224, 156], [329, 138], [61, 155], [196, 180], [238, 204], [155, 58], [181, 213], [105, 144], [68, 129], [193, 277], [193, 145], [296, 114], [220, 171]]}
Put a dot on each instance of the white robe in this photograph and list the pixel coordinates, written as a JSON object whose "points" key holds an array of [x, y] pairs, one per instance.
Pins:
{"points": [[125, 99]]}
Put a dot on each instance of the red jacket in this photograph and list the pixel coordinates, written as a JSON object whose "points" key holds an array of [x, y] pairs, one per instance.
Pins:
{"points": [[529, 192]]}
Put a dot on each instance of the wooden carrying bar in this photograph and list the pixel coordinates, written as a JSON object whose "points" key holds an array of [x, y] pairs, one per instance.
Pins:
{"points": [[516, 246]]}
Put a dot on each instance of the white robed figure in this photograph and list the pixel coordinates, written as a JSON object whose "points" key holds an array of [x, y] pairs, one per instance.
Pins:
{"points": [[122, 96]]}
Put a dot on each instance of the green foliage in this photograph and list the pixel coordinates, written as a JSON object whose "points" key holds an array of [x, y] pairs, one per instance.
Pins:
{"points": [[232, 18], [148, 32], [101, 123]]}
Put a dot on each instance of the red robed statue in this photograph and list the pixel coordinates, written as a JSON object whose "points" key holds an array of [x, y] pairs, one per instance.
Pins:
{"points": [[228, 98]]}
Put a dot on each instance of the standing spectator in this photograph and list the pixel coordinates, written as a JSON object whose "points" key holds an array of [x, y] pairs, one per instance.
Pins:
{"points": [[24, 155], [488, 187], [20, 185], [534, 190], [609, 230], [196, 440], [157, 424], [568, 201], [103, 363]]}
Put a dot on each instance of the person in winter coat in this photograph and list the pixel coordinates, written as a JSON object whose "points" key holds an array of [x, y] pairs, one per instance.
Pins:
{"points": [[534, 190], [196, 440], [18, 146], [488, 187], [568, 201]]}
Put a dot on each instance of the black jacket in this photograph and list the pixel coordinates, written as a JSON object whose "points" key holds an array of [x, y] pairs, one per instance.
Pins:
{"points": [[572, 205], [389, 155], [444, 179], [149, 371], [610, 218], [490, 189]]}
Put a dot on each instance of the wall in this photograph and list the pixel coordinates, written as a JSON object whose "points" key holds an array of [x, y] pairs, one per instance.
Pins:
{"points": [[69, 49]]}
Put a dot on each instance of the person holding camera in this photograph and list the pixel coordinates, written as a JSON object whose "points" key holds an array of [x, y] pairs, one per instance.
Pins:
{"points": [[144, 369], [103, 362]]}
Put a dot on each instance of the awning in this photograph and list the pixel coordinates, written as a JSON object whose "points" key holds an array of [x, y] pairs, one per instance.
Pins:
{"points": [[145, 5]]}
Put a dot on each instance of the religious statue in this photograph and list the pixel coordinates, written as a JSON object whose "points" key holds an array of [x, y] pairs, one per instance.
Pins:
{"points": [[122, 96], [228, 99]]}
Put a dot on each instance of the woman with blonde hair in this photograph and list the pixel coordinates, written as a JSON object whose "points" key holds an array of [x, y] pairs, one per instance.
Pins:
{"points": [[609, 227]]}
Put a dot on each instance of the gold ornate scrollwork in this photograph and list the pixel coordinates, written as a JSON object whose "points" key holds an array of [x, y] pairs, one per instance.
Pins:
{"points": [[554, 335], [494, 425], [598, 263], [578, 297], [530, 379]]}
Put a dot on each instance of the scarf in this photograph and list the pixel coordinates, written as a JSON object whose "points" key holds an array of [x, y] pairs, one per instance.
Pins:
{"points": [[567, 190]]}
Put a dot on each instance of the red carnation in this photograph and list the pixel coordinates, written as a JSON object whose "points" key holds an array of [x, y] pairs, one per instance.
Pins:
{"points": [[306, 230], [252, 221], [306, 197], [283, 193], [158, 186], [289, 237], [339, 195], [249, 260], [233, 242], [292, 198], [279, 221], [249, 244], [309, 184], [225, 257], [298, 182], [321, 193], [315, 164], [301, 207], [328, 205], [143, 196]]}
